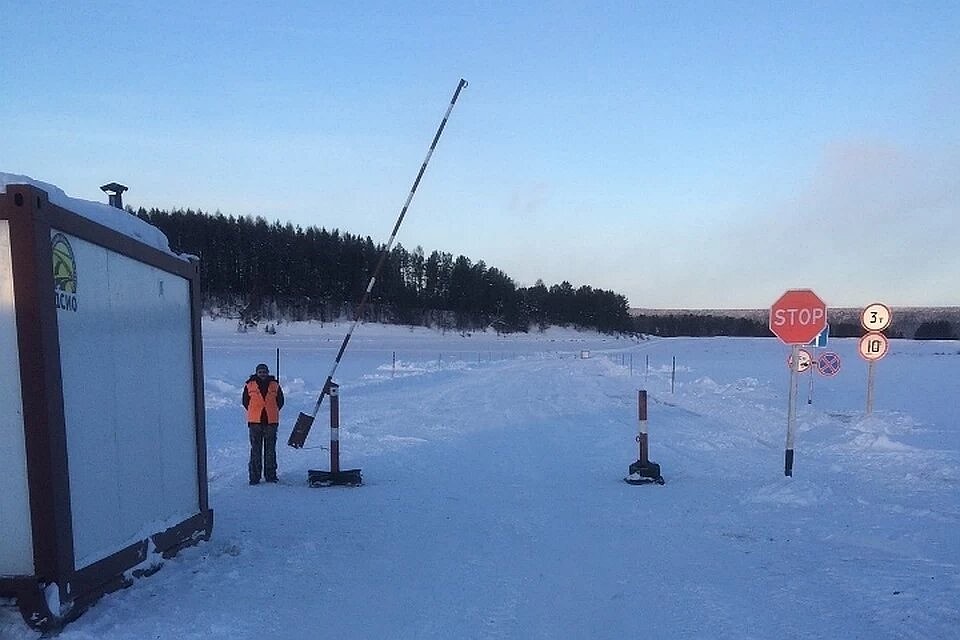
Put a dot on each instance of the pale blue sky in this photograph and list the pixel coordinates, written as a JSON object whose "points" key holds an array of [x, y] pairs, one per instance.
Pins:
{"points": [[685, 154]]}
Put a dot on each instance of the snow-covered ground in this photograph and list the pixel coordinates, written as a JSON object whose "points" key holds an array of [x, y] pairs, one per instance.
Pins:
{"points": [[494, 506]]}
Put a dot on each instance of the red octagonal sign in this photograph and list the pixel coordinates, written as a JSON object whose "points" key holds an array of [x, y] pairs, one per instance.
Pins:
{"points": [[798, 316]]}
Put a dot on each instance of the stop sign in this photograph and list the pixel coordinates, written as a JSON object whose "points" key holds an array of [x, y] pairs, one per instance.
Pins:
{"points": [[798, 316]]}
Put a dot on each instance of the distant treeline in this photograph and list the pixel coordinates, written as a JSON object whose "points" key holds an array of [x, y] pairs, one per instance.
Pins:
{"points": [[693, 324], [271, 271], [937, 330]]}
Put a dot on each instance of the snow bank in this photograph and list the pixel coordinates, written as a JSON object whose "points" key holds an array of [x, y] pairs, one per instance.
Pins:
{"points": [[104, 214]]}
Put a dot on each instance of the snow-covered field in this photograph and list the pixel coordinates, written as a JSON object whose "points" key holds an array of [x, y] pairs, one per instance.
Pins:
{"points": [[494, 504]]}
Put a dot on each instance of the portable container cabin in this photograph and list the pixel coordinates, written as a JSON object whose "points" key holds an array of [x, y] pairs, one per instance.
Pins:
{"points": [[102, 442]]}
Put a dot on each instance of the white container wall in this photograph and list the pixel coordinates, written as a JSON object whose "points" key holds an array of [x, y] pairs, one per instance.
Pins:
{"points": [[16, 546], [127, 369], [102, 435]]}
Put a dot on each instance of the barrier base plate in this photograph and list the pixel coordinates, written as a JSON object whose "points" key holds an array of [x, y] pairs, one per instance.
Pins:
{"points": [[346, 477], [640, 473]]}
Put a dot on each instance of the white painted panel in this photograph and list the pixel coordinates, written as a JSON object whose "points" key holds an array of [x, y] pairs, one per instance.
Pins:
{"points": [[16, 540], [127, 365]]}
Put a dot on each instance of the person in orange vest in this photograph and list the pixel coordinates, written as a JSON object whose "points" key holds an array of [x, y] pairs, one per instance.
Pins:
{"points": [[263, 399]]}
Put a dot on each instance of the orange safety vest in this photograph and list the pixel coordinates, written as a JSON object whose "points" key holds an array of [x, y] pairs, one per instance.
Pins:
{"points": [[258, 403]]}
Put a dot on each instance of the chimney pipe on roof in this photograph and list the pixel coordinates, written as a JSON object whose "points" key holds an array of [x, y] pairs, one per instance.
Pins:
{"points": [[115, 192]]}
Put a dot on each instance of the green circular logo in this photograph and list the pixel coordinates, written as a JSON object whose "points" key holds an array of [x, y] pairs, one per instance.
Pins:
{"points": [[64, 265]]}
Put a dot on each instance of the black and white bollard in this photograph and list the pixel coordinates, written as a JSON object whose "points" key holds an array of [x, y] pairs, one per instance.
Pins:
{"points": [[643, 471], [335, 476]]}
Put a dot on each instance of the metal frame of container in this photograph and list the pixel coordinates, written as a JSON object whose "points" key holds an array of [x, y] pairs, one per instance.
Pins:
{"points": [[30, 217]]}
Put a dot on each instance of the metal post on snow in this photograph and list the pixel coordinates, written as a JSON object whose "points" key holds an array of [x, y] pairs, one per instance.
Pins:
{"points": [[797, 317], [873, 344], [791, 410], [334, 429], [643, 471], [642, 437], [336, 476]]}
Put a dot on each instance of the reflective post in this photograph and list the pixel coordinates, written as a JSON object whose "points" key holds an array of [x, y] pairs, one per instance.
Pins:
{"points": [[642, 437], [334, 428], [870, 377]]}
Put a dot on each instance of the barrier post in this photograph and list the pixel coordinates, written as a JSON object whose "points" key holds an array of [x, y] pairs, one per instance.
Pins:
{"points": [[643, 471], [642, 436], [334, 428], [336, 475]]}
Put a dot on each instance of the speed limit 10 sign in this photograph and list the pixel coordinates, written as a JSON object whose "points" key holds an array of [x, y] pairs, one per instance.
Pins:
{"points": [[873, 345], [876, 317]]}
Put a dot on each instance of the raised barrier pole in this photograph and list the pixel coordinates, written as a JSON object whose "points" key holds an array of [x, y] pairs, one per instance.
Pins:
{"points": [[305, 420]]}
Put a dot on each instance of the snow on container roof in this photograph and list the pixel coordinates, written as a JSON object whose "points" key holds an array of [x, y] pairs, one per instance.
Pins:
{"points": [[116, 219]]}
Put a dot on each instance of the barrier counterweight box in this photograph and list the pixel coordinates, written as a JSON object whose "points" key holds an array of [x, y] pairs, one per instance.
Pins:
{"points": [[102, 442]]}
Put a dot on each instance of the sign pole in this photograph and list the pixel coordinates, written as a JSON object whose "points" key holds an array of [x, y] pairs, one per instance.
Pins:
{"points": [[791, 410], [874, 344], [797, 317], [673, 375]]}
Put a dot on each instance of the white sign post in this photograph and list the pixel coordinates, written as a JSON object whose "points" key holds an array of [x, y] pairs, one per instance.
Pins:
{"points": [[792, 409], [873, 345], [797, 317]]}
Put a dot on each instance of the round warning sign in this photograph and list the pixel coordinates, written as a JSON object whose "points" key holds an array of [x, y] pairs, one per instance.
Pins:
{"points": [[804, 360], [876, 317], [873, 345]]}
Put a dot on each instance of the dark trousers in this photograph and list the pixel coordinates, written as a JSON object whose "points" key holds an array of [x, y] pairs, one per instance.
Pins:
{"points": [[263, 451]]}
